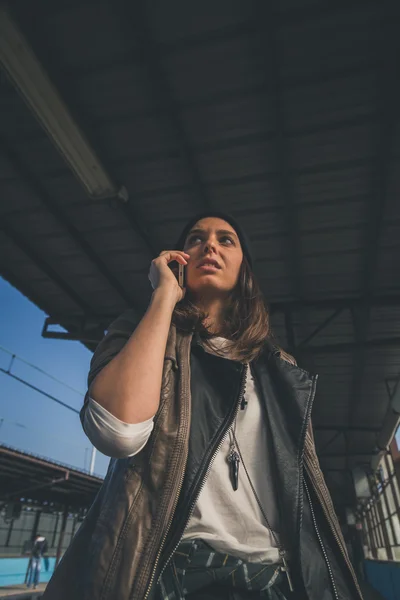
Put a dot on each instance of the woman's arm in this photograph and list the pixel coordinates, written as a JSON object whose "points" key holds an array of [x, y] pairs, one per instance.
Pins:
{"points": [[129, 385]]}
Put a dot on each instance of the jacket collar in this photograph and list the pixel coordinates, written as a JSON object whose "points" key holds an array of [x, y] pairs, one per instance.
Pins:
{"points": [[175, 338]]}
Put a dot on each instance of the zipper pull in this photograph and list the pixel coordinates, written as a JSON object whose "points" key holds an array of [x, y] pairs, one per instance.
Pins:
{"points": [[285, 569]]}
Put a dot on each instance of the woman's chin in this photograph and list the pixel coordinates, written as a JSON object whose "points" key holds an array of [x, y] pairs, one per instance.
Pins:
{"points": [[206, 285]]}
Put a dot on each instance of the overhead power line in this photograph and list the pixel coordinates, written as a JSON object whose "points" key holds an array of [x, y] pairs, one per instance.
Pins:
{"points": [[35, 387], [16, 357]]}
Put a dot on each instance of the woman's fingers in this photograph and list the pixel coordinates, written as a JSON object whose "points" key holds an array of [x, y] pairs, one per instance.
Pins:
{"points": [[171, 255], [161, 274]]}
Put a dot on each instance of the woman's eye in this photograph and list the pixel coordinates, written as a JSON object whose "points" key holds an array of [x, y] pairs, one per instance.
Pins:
{"points": [[194, 239], [227, 239]]}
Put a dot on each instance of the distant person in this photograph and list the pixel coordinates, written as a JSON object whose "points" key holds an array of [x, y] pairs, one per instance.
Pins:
{"points": [[38, 551], [215, 490]]}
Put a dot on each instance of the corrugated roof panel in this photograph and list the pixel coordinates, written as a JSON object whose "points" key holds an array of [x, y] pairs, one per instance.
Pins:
{"points": [[330, 101], [388, 264], [313, 46], [231, 119], [36, 223], [245, 160], [7, 171], [159, 174], [110, 239], [329, 146], [264, 225], [244, 197], [96, 33], [220, 66], [328, 286], [270, 248], [222, 108], [192, 19], [338, 330], [278, 288], [138, 140], [139, 287], [381, 363], [361, 439], [337, 264], [17, 197], [41, 157], [327, 217], [113, 91], [332, 242], [385, 321], [19, 122], [103, 224], [328, 185]]}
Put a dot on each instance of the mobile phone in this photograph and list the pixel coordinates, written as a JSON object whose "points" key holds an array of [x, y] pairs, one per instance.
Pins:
{"points": [[181, 276]]}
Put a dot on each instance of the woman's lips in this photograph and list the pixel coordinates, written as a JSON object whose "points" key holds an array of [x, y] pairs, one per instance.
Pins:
{"points": [[208, 268]]}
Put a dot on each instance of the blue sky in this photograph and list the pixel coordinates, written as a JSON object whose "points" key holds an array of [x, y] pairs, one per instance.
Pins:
{"points": [[28, 420]]}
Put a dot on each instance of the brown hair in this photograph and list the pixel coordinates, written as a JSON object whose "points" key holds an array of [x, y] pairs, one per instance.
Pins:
{"points": [[246, 319]]}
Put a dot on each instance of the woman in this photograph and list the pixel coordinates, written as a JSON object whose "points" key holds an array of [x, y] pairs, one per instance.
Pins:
{"points": [[214, 490]]}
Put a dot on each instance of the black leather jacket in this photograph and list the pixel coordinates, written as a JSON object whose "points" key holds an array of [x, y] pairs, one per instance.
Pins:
{"points": [[145, 502]]}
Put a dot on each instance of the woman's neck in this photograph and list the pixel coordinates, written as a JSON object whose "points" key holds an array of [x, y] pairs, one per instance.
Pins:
{"points": [[215, 320], [215, 310]]}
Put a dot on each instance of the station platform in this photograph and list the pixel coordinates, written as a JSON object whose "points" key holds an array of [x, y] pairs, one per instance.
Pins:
{"points": [[21, 592]]}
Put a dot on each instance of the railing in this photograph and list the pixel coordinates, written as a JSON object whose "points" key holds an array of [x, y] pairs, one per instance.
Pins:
{"points": [[380, 514]]}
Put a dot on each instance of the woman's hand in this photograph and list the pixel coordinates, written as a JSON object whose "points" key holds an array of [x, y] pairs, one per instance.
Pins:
{"points": [[162, 276]]}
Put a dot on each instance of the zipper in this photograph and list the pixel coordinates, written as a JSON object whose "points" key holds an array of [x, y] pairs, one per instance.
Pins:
{"points": [[307, 419], [242, 390], [335, 535], [179, 488], [328, 564], [163, 540]]}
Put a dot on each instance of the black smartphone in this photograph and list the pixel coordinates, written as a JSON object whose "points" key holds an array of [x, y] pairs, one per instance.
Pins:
{"points": [[181, 276]]}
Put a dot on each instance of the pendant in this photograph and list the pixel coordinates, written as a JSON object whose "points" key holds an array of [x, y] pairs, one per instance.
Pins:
{"points": [[234, 460]]}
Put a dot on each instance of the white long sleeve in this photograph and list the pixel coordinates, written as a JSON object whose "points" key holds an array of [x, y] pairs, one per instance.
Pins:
{"points": [[113, 437]]}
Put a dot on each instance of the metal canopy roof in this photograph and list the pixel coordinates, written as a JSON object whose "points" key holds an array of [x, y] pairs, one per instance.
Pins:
{"points": [[38, 480], [284, 114]]}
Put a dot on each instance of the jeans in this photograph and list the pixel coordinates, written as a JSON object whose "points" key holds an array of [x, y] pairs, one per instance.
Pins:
{"points": [[34, 571]]}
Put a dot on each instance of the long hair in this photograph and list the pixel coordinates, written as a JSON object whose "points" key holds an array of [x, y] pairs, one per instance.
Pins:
{"points": [[245, 325]]}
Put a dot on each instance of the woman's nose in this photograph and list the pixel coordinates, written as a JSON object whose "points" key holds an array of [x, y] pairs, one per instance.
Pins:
{"points": [[209, 245]]}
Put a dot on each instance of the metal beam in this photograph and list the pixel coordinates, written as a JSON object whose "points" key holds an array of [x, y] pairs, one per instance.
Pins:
{"points": [[336, 303], [43, 265], [290, 336], [341, 165], [330, 442], [266, 18], [86, 330], [135, 24], [122, 197], [282, 307], [28, 490], [81, 328], [320, 328], [35, 186], [388, 100], [387, 342], [20, 285]]}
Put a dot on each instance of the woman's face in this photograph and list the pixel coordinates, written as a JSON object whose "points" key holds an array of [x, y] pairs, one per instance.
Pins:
{"points": [[215, 257]]}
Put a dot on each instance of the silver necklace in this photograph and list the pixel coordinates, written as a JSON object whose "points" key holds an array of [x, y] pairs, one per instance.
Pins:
{"points": [[235, 458]]}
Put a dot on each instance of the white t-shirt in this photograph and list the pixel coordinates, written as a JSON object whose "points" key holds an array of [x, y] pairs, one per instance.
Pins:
{"points": [[230, 521]]}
